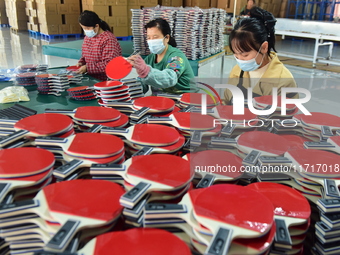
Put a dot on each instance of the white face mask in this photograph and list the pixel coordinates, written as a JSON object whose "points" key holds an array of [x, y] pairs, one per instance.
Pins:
{"points": [[156, 46], [249, 65], [90, 33]]}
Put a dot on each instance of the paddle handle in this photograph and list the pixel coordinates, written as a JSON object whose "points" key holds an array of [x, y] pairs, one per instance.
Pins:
{"points": [[108, 167], [43, 140], [331, 188], [121, 104], [61, 111], [64, 235], [282, 236], [114, 130], [228, 129], [206, 181], [132, 197], [18, 206], [140, 113], [158, 119], [216, 140], [272, 160], [172, 96], [6, 140], [67, 169], [252, 158], [159, 208], [219, 244], [318, 145]]}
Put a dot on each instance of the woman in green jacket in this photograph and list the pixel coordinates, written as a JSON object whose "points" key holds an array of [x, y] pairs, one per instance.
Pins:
{"points": [[258, 67], [166, 69]]}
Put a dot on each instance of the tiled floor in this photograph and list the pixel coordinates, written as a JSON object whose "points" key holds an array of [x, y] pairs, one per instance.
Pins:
{"points": [[18, 49]]}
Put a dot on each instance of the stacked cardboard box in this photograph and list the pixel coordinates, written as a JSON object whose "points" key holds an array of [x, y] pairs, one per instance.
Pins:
{"points": [[204, 4], [173, 3], [228, 5], [57, 16], [3, 16], [15, 11], [116, 13], [31, 12], [272, 6]]}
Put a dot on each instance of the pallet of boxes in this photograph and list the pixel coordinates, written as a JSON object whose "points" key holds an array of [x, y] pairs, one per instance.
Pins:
{"points": [[15, 11], [54, 17]]}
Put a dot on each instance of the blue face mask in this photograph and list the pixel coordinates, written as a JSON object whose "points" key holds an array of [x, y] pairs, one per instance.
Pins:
{"points": [[156, 46], [90, 33], [249, 65]]}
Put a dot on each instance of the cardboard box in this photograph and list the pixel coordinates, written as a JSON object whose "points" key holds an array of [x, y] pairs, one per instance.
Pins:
{"points": [[64, 29], [49, 29], [96, 2], [228, 5], [133, 3], [74, 9], [63, 8], [102, 11], [49, 8], [166, 2], [27, 11], [213, 3], [71, 19], [118, 11], [75, 29], [33, 20], [31, 4], [33, 13], [120, 31], [50, 19]]}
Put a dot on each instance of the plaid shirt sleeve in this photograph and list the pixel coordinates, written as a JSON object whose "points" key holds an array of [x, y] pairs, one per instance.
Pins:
{"points": [[98, 51]]}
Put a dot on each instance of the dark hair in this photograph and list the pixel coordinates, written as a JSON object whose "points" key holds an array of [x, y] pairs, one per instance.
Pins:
{"points": [[250, 33], [164, 27], [91, 19], [253, 1]]}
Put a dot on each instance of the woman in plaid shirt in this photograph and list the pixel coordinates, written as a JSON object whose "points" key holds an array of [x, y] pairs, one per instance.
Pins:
{"points": [[99, 46]]}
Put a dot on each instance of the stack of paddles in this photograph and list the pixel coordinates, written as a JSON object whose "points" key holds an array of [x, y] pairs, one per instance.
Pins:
{"points": [[25, 79], [43, 124], [292, 216], [140, 107], [193, 99], [52, 84], [111, 92], [135, 88], [32, 68], [59, 213], [221, 219], [311, 172], [148, 138], [82, 93], [317, 126], [86, 117], [10, 115], [148, 178], [327, 229]]}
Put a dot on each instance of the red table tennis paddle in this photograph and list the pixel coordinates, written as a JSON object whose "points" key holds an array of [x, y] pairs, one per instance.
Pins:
{"points": [[118, 68], [132, 241], [290, 208], [146, 134], [214, 215], [90, 113], [44, 124], [88, 145], [147, 173], [194, 99], [187, 121]]}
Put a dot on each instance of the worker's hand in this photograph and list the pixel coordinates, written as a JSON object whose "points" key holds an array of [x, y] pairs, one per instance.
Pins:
{"points": [[79, 64], [141, 67], [82, 69]]}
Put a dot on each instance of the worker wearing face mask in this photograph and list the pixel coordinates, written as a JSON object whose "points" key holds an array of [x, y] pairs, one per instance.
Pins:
{"points": [[99, 46], [258, 67], [166, 69]]}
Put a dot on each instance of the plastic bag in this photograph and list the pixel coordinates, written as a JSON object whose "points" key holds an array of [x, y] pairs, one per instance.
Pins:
{"points": [[13, 94]]}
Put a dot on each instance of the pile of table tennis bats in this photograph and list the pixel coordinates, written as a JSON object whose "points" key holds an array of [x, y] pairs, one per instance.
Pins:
{"points": [[158, 156]]}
